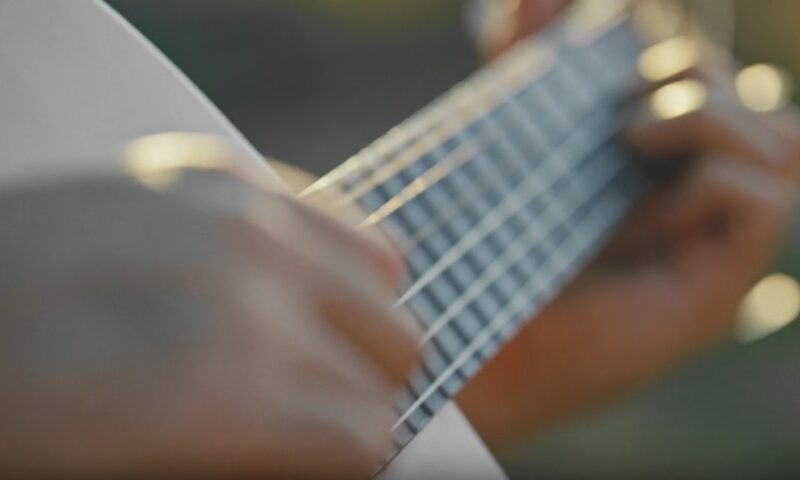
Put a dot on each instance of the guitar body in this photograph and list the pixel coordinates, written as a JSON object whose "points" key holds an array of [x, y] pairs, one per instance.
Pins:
{"points": [[110, 87]]}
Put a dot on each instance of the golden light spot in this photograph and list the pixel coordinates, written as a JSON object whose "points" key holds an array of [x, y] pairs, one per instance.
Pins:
{"points": [[771, 305], [763, 88], [678, 99], [158, 161], [668, 58]]}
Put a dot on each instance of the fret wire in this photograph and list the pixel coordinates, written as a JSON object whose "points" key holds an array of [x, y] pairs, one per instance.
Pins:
{"points": [[521, 192], [515, 306], [514, 252]]}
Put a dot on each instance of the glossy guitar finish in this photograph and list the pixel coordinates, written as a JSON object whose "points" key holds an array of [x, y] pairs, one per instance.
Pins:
{"points": [[114, 87]]}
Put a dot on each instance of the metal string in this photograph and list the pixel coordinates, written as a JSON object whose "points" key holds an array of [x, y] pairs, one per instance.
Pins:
{"points": [[517, 305]]}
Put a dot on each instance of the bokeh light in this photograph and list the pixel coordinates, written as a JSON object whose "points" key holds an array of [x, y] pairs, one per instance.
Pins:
{"points": [[763, 88], [668, 58], [771, 305], [678, 99]]}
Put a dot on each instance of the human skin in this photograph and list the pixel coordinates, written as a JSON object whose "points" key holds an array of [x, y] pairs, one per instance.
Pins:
{"points": [[670, 285], [274, 348]]}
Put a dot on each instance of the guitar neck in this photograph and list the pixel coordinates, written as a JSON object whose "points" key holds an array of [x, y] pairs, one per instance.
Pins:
{"points": [[498, 194]]}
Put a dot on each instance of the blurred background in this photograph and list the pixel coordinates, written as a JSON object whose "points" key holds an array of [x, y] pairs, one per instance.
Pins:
{"points": [[312, 81]]}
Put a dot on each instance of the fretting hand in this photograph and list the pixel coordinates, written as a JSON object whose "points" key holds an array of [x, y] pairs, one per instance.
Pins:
{"points": [[671, 285]]}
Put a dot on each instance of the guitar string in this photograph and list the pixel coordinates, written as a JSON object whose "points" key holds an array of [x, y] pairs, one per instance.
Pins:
{"points": [[490, 221], [478, 234], [472, 238], [514, 251], [516, 71], [495, 271], [479, 111], [492, 107], [486, 99], [465, 152], [538, 184], [485, 337], [487, 183], [524, 302], [526, 57], [476, 345], [516, 305], [521, 68], [492, 179]]}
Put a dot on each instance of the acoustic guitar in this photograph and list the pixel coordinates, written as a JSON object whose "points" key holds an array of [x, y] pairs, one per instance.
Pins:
{"points": [[497, 194]]}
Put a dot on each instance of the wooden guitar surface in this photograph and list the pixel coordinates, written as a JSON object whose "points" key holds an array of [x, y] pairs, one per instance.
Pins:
{"points": [[76, 79]]}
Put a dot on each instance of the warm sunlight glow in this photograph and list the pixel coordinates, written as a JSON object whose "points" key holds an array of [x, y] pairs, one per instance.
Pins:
{"points": [[771, 305], [678, 99], [763, 88], [157, 161], [669, 58]]}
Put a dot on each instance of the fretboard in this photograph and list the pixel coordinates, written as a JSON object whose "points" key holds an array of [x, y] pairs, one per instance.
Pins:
{"points": [[498, 194]]}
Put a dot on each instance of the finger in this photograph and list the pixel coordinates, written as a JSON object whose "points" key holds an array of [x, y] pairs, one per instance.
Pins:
{"points": [[296, 335], [354, 300], [307, 227], [700, 283], [720, 126], [379, 252], [718, 267], [388, 337], [640, 238], [285, 389]]}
